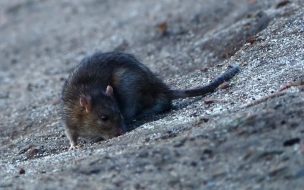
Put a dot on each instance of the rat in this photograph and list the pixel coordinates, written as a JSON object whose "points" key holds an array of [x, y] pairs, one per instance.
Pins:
{"points": [[106, 90]]}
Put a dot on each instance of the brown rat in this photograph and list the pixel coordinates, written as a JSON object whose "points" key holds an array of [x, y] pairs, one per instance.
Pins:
{"points": [[108, 89]]}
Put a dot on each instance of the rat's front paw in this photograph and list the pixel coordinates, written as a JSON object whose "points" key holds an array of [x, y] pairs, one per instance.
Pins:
{"points": [[73, 147]]}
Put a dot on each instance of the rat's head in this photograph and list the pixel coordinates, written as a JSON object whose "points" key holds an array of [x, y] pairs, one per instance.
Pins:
{"points": [[102, 115]]}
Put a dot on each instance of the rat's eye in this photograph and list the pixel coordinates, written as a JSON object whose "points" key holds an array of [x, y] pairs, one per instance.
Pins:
{"points": [[104, 118]]}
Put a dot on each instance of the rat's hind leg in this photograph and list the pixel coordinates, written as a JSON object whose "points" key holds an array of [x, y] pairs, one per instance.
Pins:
{"points": [[160, 107]]}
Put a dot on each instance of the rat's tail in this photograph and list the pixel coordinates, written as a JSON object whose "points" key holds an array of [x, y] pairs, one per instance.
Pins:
{"points": [[175, 94]]}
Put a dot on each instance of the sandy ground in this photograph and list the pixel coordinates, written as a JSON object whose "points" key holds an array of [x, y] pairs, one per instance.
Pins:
{"points": [[246, 136]]}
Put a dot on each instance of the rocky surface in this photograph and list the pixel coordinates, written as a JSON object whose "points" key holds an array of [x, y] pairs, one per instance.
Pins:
{"points": [[246, 136]]}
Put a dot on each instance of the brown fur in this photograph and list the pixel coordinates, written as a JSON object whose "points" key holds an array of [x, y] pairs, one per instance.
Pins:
{"points": [[107, 89]]}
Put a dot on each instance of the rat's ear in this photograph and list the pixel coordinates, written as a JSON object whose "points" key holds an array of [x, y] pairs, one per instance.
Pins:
{"points": [[109, 91], [86, 102]]}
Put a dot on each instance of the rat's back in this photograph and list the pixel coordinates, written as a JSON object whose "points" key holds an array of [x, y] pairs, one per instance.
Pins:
{"points": [[136, 89]]}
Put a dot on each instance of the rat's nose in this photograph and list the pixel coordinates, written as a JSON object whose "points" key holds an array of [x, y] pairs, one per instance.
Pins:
{"points": [[119, 133], [122, 130]]}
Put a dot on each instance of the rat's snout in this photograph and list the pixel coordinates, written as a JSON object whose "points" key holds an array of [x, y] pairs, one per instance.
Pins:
{"points": [[122, 130]]}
